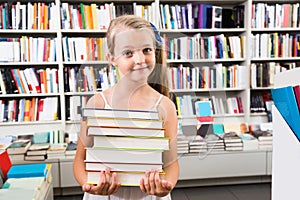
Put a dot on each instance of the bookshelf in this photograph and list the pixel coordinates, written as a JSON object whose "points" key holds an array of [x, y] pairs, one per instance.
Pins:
{"points": [[70, 122]]}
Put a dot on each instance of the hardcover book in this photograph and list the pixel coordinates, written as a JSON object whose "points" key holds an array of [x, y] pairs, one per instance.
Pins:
{"points": [[123, 156], [29, 170], [125, 131], [129, 167], [124, 122], [125, 178], [143, 143]]}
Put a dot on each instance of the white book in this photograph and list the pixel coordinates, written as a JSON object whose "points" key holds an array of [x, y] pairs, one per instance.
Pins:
{"points": [[116, 131], [129, 167], [123, 156], [146, 143]]}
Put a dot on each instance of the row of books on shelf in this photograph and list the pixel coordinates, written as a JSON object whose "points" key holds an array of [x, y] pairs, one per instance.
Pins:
{"points": [[24, 181], [81, 48], [262, 74], [214, 137], [275, 45], [29, 109], [89, 78], [205, 47], [28, 49], [275, 15], [261, 102], [28, 16], [29, 80], [130, 142], [198, 16], [189, 106], [287, 101], [216, 76]]}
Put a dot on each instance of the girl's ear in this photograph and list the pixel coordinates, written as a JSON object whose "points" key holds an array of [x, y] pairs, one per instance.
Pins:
{"points": [[111, 59]]}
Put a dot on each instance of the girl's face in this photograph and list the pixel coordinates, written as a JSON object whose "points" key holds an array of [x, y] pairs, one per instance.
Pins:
{"points": [[134, 54]]}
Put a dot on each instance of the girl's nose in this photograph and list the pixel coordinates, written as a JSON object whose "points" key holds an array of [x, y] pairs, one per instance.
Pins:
{"points": [[139, 57]]}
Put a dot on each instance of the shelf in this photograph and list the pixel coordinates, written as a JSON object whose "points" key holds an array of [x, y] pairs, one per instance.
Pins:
{"points": [[206, 60]]}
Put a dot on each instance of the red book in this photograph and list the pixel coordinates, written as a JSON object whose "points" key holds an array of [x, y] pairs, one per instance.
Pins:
{"points": [[5, 163], [297, 94]]}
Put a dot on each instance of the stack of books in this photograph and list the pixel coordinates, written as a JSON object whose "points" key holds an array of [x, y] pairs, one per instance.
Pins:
{"points": [[129, 142], [37, 151], [197, 145], [182, 144], [27, 181], [232, 142], [18, 149], [214, 143]]}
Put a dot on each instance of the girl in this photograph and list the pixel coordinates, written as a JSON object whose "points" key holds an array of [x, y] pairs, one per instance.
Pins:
{"points": [[134, 48]]}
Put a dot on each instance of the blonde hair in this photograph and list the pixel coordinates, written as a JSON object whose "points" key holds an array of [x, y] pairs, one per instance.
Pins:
{"points": [[158, 79]]}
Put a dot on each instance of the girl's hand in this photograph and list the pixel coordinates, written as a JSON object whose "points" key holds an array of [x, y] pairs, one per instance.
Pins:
{"points": [[108, 184], [153, 185]]}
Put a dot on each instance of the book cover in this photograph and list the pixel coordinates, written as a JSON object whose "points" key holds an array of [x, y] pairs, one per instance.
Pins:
{"points": [[29, 170], [5, 163], [19, 147], [123, 156], [297, 95], [125, 131], [286, 103], [119, 113], [143, 143]]}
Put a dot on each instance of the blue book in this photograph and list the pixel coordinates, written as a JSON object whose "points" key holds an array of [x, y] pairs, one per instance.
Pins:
{"points": [[285, 101], [218, 129], [28, 170], [203, 108]]}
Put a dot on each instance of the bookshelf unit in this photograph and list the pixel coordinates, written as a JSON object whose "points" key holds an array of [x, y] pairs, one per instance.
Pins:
{"points": [[64, 94]]}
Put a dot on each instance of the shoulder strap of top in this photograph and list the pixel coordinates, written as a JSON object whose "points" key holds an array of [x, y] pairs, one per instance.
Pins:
{"points": [[104, 99], [158, 101]]}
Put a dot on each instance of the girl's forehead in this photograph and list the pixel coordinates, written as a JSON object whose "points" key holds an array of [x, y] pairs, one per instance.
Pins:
{"points": [[134, 38]]}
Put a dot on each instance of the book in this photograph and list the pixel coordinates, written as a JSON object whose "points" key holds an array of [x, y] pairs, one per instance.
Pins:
{"points": [[125, 131], [119, 113], [19, 147], [129, 167], [5, 163], [144, 143], [297, 95], [249, 142], [29, 170], [286, 103], [123, 156], [125, 178], [124, 122]]}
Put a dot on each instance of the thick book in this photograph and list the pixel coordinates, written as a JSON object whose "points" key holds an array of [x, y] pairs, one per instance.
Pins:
{"points": [[125, 131], [19, 147], [119, 113], [286, 103], [29, 170], [130, 167], [124, 178], [124, 122], [132, 143], [123, 156]]}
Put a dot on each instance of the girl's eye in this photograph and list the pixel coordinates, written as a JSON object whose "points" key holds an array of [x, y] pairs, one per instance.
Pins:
{"points": [[127, 53], [147, 50]]}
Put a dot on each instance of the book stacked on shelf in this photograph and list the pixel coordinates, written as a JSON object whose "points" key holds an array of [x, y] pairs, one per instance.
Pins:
{"points": [[129, 142], [18, 149], [249, 141], [56, 151], [37, 151], [182, 144]]}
